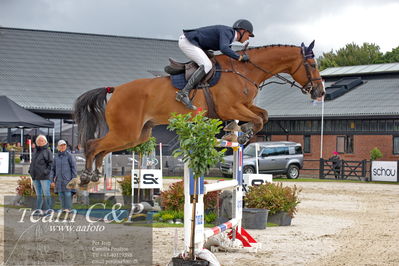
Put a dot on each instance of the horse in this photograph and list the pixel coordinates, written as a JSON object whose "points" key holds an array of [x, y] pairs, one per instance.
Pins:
{"points": [[127, 118]]}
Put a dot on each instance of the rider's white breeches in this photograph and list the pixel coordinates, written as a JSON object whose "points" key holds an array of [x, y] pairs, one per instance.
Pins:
{"points": [[195, 53]]}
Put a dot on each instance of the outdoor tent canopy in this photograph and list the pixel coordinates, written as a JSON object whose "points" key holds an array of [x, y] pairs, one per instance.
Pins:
{"points": [[12, 115]]}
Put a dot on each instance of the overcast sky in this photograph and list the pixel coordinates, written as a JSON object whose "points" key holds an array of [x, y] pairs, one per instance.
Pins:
{"points": [[332, 23]]}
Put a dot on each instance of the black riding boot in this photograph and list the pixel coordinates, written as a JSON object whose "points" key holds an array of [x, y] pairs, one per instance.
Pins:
{"points": [[182, 95]]}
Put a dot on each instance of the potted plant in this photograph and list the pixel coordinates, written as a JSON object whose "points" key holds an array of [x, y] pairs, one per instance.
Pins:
{"points": [[197, 148], [172, 199], [144, 149], [26, 192], [279, 200], [126, 187]]}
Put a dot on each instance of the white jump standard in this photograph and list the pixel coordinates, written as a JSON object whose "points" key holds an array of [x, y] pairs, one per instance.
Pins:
{"points": [[202, 234]]}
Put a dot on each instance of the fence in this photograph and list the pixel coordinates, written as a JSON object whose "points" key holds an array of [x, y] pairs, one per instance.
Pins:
{"points": [[325, 169]]}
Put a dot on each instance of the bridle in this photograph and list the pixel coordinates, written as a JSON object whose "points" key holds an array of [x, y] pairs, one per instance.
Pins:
{"points": [[306, 89]]}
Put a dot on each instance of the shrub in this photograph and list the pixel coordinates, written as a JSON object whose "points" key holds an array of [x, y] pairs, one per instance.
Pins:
{"points": [[273, 197], [25, 187], [375, 154], [167, 216], [173, 198], [126, 185], [210, 217]]}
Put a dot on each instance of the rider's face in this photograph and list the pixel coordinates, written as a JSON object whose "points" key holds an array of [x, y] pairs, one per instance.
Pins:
{"points": [[245, 36]]}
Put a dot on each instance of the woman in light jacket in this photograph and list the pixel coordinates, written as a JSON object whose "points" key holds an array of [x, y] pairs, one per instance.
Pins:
{"points": [[64, 169]]}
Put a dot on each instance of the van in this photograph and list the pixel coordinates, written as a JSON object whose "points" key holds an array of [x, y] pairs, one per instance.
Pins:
{"points": [[275, 157]]}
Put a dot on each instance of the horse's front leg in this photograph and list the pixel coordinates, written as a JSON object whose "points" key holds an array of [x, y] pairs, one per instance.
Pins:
{"points": [[254, 125], [262, 113]]}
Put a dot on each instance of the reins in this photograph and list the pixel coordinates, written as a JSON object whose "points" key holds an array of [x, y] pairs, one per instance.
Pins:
{"points": [[305, 89]]}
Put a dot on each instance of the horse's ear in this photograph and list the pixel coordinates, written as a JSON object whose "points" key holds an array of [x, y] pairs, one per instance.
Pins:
{"points": [[303, 45], [311, 45]]}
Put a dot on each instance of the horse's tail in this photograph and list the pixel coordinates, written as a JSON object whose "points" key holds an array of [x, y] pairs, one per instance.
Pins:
{"points": [[89, 114]]}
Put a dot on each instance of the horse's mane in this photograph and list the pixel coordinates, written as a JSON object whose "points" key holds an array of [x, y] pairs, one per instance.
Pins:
{"points": [[273, 45]]}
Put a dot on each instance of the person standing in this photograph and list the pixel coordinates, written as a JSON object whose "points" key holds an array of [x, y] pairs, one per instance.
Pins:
{"points": [[62, 172], [39, 170], [336, 164]]}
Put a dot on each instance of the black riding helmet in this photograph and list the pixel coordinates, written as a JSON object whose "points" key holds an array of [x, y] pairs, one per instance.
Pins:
{"points": [[244, 24]]}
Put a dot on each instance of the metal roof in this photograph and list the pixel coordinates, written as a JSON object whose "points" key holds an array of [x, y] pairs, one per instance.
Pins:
{"points": [[48, 70], [361, 70], [378, 96]]}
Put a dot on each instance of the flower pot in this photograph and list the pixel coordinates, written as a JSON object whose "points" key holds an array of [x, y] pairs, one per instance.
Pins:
{"points": [[29, 202], [182, 262], [280, 218], [253, 218], [127, 200], [178, 221], [96, 197]]}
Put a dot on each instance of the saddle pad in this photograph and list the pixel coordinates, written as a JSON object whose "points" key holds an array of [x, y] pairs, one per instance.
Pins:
{"points": [[179, 81]]}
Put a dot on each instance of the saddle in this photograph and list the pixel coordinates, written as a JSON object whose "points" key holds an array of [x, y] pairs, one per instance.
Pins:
{"points": [[188, 68], [181, 72]]}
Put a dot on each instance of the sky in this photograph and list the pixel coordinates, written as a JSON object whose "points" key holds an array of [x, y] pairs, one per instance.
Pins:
{"points": [[332, 24]]}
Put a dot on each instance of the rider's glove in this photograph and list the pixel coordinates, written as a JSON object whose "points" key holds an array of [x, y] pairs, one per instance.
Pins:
{"points": [[243, 58]]}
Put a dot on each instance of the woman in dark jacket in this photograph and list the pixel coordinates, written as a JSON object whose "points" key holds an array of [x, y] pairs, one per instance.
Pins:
{"points": [[39, 170], [64, 169]]}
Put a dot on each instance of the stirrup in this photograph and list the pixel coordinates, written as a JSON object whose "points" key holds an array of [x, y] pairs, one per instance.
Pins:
{"points": [[181, 97]]}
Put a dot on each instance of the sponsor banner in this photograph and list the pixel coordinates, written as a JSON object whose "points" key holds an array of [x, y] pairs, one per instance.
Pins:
{"points": [[4, 162], [150, 178], [256, 179], [93, 234], [384, 171]]}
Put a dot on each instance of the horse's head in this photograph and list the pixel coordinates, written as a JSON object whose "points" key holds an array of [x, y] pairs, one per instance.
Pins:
{"points": [[307, 74]]}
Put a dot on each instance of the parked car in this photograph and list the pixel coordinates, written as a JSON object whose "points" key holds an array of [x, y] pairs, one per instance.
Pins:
{"points": [[275, 157]]}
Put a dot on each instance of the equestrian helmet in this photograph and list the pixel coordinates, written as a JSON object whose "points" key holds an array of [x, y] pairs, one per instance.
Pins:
{"points": [[245, 25]]}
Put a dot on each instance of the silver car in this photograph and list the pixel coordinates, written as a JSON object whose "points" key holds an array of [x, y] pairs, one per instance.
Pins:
{"points": [[275, 157]]}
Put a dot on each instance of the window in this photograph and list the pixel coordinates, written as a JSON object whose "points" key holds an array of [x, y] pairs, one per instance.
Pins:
{"points": [[345, 144], [395, 144], [315, 125], [341, 144], [282, 151], [298, 150], [306, 144]]}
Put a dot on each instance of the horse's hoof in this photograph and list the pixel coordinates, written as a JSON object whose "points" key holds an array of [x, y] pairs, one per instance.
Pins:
{"points": [[95, 177], [232, 126], [73, 184], [92, 185], [230, 137], [85, 178], [243, 139], [247, 127]]}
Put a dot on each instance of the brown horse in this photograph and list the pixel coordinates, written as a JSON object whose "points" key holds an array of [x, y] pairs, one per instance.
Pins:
{"points": [[137, 106]]}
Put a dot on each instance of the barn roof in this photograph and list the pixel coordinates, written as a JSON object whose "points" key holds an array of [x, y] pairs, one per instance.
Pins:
{"points": [[47, 70]]}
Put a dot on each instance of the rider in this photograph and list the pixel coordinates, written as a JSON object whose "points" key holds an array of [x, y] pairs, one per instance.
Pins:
{"points": [[218, 37]]}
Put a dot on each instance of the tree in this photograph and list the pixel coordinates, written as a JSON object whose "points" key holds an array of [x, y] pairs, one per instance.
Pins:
{"points": [[197, 148], [351, 55], [392, 56]]}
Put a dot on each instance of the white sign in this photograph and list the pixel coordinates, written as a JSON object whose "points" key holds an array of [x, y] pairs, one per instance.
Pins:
{"points": [[150, 178], [384, 171], [4, 162], [256, 179]]}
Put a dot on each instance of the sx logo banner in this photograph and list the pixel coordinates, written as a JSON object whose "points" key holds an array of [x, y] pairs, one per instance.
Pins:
{"points": [[149, 178]]}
